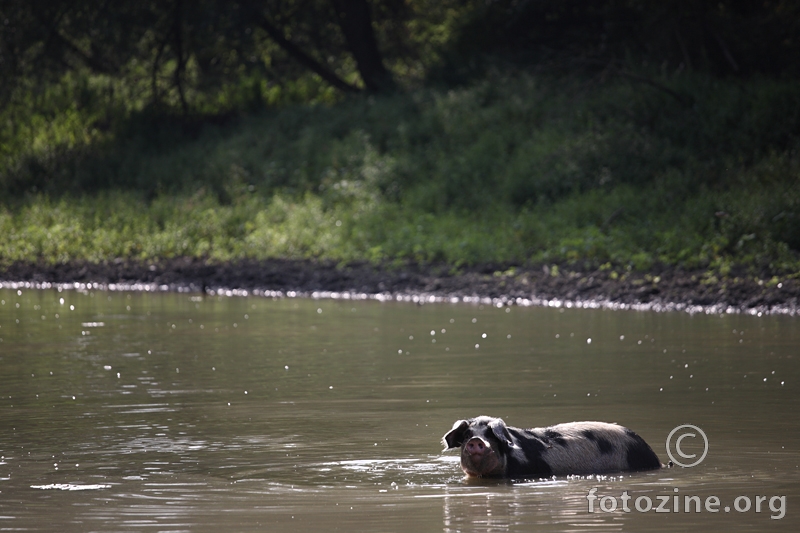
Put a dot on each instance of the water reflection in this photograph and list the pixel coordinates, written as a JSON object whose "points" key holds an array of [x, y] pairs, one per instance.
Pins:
{"points": [[176, 413]]}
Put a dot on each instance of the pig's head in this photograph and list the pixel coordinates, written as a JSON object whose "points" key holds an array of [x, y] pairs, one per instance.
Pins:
{"points": [[485, 443]]}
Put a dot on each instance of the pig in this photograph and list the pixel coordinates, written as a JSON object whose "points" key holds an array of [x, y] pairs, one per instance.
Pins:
{"points": [[490, 448]]}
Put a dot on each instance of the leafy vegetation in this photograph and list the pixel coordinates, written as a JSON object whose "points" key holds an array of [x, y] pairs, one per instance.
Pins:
{"points": [[235, 140], [509, 169]]}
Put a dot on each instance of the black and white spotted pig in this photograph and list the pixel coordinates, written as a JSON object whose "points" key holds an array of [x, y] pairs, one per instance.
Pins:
{"points": [[490, 448]]}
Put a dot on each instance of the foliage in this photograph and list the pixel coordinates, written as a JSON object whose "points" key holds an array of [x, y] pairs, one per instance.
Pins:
{"points": [[511, 169], [633, 132], [726, 38]]}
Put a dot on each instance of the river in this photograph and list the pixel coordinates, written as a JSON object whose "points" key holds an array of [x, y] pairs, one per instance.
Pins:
{"points": [[132, 411]]}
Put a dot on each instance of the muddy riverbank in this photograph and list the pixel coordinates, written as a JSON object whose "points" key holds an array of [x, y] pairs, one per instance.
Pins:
{"points": [[659, 289]]}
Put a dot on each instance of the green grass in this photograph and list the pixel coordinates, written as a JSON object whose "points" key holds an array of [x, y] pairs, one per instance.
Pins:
{"points": [[511, 169]]}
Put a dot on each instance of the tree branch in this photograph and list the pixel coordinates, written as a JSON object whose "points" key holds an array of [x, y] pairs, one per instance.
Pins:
{"points": [[685, 99], [303, 58], [725, 50], [154, 72], [96, 64]]}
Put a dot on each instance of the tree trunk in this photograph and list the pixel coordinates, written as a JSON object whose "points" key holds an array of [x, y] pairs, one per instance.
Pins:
{"points": [[178, 33], [355, 21]]}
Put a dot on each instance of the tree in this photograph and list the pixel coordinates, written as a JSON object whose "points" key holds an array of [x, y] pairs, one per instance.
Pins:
{"points": [[185, 54], [213, 38]]}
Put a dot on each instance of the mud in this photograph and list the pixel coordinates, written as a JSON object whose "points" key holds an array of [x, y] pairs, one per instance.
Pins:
{"points": [[660, 289]]}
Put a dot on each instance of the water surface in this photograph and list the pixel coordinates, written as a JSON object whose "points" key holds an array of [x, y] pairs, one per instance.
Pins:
{"points": [[175, 412]]}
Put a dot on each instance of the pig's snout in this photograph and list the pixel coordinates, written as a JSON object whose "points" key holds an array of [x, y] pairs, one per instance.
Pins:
{"points": [[476, 446], [478, 459]]}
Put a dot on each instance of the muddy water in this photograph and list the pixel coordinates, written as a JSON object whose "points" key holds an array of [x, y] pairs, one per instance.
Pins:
{"points": [[171, 412]]}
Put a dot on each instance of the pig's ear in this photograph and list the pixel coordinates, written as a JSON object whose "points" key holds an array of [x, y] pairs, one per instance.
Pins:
{"points": [[455, 437], [500, 431]]}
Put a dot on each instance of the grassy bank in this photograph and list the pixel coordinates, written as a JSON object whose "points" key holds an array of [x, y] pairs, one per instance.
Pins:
{"points": [[689, 171]]}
